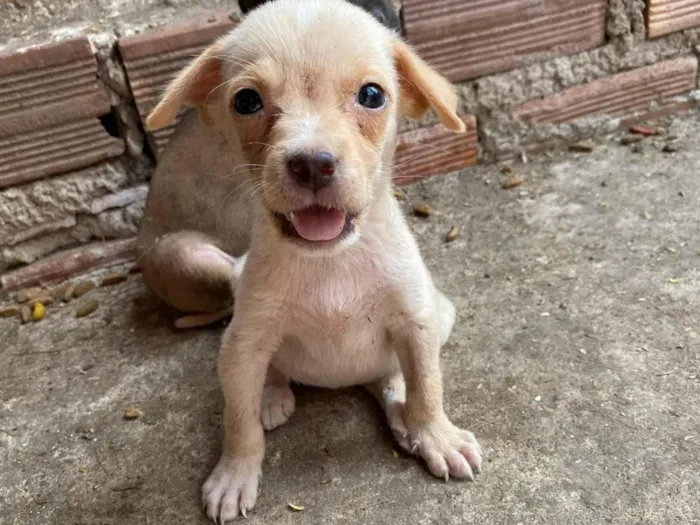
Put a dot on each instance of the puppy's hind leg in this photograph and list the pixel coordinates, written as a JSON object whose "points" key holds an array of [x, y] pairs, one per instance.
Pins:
{"points": [[189, 271], [278, 402]]}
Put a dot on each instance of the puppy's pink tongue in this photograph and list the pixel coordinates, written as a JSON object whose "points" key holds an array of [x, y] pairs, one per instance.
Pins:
{"points": [[318, 224]]}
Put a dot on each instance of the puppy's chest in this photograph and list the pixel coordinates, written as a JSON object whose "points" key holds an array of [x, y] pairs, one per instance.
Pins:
{"points": [[336, 329]]}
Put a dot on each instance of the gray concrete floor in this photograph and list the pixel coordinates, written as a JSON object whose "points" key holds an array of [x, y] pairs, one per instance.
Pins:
{"points": [[575, 360]]}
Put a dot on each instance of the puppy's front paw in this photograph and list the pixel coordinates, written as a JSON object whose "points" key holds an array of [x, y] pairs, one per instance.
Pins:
{"points": [[277, 406], [446, 449], [232, 488]]}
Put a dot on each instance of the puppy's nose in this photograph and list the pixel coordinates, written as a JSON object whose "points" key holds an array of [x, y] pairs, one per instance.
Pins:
{"points": [[312, 171]]}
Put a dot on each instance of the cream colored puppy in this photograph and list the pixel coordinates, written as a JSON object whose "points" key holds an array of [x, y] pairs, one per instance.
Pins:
{"points": [[290, 161]]}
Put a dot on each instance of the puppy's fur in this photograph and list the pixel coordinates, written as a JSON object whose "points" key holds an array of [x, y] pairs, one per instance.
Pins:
{"points": [[382, 10], [358, 308]]}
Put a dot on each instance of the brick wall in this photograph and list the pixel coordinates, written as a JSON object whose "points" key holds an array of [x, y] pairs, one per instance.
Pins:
{"points": [[532, 74]]}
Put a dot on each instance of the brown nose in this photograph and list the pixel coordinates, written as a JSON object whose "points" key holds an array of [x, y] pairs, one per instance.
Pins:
{"points": [[312, 171]]}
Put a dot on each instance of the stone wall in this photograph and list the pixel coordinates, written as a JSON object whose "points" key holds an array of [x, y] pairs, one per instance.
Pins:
{"points": [[78, 78]]}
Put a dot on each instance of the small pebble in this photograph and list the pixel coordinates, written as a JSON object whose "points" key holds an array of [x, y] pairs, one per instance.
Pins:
{"points": [[38, 312], [670, 148], [422, 210], [452, 234], [82, 288], [9, 311], [538, 398], [113, 278], [27, 294], [87, 308], [582, 351], [132, 413], [26, 314]]}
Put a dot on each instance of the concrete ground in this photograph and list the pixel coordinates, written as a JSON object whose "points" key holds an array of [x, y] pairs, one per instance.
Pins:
{"points": [[575, 360]]}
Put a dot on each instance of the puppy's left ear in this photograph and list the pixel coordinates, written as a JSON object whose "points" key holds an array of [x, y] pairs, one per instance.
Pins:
{"points": [[423, 88], [192, 87]]}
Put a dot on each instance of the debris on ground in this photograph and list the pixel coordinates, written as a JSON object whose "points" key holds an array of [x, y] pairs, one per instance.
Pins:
{"points": [[295, 508], [26, 314], [643, 130], [68, 292], [9, 311], [507, 169], [631, 139], [585, 146], [38, 312], [132, 413], [82, 288], [113, 278], [513, 182], [27, 294], [452, 234], [422, 210], [87, 308]]}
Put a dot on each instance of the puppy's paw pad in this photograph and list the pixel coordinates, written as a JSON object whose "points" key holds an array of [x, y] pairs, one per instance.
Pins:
{"points": [[232, 488], [446, 449], [277, 406]]}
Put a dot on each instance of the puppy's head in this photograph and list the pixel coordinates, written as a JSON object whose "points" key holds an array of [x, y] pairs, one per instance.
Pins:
{"points": [[307, 93]]}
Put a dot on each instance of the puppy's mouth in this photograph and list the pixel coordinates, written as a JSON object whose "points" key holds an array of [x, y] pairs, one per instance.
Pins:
{"points": [[316, 224]]}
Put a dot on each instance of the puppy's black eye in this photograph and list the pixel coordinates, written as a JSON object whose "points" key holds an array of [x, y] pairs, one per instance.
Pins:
{"points": [[247, 102], [371, 96]]}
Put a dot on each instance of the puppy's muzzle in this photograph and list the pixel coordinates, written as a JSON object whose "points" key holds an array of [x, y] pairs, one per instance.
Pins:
{"points": [[312, 171]]}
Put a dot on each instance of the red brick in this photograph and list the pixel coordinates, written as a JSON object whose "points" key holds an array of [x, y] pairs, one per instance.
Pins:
{"points": [[49, 100], [468, 39], [669, 16], [57, 149], [425, 152], [68, 264], [623, 95], [153, 59]]}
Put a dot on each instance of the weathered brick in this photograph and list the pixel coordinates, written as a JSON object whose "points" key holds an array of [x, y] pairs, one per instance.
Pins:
{"points": [[630, 94], [53, 150], [68, 264], [153, 59], [470, 39], [432, 151], [669, 16], [49, 100]]}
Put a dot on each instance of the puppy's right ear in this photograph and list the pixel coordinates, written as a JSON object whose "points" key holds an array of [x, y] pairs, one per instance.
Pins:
{"points": [[192, 87]]}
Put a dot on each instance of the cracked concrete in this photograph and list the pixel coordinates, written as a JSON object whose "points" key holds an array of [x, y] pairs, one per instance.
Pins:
{"points": [[575, 360]]}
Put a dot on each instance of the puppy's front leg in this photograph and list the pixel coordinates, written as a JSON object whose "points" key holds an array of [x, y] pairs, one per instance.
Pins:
{"points": [[447, 449], [233, 485]]}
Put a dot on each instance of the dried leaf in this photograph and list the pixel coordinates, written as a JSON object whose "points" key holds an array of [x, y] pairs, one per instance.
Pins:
{"points": [[26, 314], [513, 182], [643, 130], [9, 311], [68, 292], [87, 308], [585, 146], [394, 454], [422, 210], [673, 280], [452, 234], [113, 278], [132, 413], [27, 294], [398, 194], [295, 508], [82, 288]]}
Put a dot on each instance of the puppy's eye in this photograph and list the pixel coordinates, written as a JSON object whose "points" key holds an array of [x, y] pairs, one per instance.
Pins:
{"points": [[371, 96], [247, 102]]}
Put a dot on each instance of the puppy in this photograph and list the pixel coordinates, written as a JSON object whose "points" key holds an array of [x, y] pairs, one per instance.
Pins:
{"points": [[281, 186], [382, 10]]}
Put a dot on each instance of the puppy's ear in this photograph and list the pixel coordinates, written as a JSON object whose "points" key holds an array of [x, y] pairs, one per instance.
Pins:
{"points": [[423, 88], [191, 87]]}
